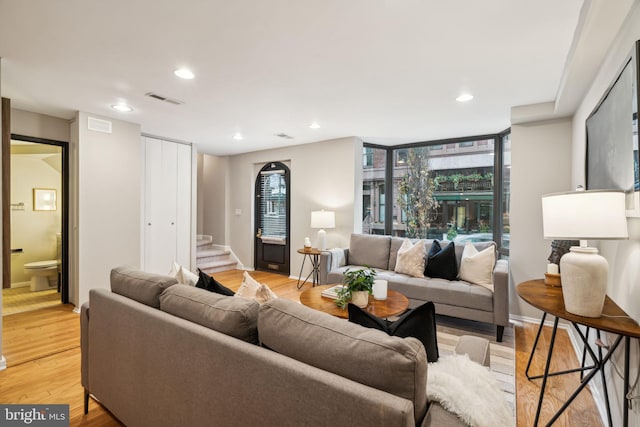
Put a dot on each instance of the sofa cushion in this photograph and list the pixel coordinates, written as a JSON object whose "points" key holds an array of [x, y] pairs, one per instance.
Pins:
{"points": [[410, 258], [477, 266], [419, 323], [236, 317], [139, 285], [441, 262], [392, 364], [370, 250], [207, 282], [441, 291]]}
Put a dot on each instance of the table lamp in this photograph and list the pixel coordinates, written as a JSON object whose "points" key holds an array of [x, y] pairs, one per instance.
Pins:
{"points": [[323, 219], [584, 215]]}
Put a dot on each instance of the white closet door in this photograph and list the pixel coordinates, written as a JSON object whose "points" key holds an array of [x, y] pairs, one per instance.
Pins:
{"points": [[160, 205], [183, 205]]}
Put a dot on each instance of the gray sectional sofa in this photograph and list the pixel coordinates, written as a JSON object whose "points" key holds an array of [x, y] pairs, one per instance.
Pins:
{"points": [[156, 353], [452, 298]]}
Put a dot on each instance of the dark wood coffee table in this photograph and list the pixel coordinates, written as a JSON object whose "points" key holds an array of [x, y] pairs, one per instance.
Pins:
{"points": [[395, 303]]}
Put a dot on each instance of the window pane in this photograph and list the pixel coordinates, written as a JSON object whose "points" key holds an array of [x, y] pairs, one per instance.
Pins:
{"points": [[442, 195], [273, 204], [506, 189], [373, 173]]}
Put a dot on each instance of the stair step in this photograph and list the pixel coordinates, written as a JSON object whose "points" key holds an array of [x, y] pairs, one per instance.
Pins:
{"points": [[218, 266], [204, 240], [201, 253], [215, 264]]}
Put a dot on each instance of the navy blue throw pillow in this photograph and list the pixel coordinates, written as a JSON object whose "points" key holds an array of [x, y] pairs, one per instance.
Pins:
{"points": [[209, 283], [418, 323], [441, 263]]}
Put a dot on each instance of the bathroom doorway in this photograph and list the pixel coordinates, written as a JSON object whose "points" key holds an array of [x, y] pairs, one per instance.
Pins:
{"points": [[38, 217]]}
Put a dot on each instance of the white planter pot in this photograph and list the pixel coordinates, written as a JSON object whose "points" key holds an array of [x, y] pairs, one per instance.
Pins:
{"points": [[360, 298]]}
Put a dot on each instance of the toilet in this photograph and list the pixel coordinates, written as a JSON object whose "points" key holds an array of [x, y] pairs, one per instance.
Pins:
{"points": [[40, 272]]}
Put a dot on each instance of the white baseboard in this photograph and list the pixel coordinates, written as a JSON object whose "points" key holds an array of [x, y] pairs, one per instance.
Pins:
{"points": [[76, 310], [3, 363]]}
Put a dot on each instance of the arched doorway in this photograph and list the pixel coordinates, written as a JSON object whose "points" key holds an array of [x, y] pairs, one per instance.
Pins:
{"points": [[272, 219]]}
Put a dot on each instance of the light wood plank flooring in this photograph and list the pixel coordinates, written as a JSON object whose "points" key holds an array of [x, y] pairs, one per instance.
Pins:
{"points": [[43, 355]]}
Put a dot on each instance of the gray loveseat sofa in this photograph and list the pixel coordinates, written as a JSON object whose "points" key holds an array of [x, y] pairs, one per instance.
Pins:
{"points": [[156, 353], [452, 298]]}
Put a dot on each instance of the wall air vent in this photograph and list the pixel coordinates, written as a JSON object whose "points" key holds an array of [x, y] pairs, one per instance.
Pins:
{"points": [[99, 125], [164, 98], [283, 135]]}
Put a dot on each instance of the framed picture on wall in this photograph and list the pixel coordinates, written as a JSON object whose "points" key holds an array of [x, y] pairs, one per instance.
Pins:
{"points": [[612, 136], [45, 199]]}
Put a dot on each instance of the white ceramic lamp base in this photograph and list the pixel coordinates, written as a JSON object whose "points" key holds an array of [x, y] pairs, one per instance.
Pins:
{"points": [[322, 238], [584, 281]]}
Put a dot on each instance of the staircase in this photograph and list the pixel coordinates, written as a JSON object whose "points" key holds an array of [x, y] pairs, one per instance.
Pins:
{"points": [[211, 259]]}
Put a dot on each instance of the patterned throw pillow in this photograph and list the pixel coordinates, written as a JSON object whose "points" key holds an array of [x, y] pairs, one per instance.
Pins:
{"points": [[477, 266], [411, 258]]}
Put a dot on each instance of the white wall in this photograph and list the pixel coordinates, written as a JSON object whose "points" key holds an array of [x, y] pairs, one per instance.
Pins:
{"points": [[540, 164], [109, 192], [324, 175], [37, 125], [213, 205], [623, 256], [33, 231]]}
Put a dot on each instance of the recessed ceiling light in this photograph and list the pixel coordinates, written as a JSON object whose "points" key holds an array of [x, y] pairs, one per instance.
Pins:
{"points": [[465, 97], [238, 136], [314, 125], [122, 107], [184, 73]]}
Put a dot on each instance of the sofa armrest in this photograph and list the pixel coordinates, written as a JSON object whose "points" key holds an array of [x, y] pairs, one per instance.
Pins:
{"points": [[325, 265], [501, 293], [84, 345]]}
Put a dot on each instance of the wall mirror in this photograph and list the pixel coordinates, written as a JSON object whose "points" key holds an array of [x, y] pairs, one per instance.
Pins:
{"points": [[612, 136], [44, 199]]}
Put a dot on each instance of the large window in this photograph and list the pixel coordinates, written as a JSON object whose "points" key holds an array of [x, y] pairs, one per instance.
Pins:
{"points": [[373, 190], [439, 193]]}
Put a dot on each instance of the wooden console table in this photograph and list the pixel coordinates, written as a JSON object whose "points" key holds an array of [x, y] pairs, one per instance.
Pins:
{"points": [[615, 320]]}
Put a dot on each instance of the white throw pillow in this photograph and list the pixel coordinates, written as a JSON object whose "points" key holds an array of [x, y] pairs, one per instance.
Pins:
{"points": [[411, 258], [477, 267], [182, 275], [252, 289]]}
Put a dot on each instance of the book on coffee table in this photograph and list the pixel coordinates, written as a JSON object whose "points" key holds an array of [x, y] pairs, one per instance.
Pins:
{"points": [[332, 292]]}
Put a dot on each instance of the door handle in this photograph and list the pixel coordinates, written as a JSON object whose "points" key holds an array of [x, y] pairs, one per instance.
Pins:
{"points": [[259, 233]]}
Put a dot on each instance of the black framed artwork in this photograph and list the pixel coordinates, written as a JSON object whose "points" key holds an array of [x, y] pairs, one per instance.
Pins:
{"points": [[612, 136]]}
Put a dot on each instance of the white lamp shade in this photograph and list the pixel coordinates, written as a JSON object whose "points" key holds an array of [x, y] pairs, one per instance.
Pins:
{"points": [[323, 219], [585, 215]]}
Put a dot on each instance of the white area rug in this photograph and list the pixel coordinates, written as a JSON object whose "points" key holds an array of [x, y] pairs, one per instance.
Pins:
{"points": [[468, 390]]}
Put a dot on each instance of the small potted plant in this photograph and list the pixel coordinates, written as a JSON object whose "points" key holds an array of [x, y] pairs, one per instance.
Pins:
{"points": [[358, 285]]}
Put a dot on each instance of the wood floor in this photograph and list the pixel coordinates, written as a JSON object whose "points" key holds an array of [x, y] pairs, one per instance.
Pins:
{"points": [[43, 358]]}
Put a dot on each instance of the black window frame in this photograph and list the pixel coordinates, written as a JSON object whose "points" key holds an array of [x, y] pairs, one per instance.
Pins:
{"points": [[498, 187]]}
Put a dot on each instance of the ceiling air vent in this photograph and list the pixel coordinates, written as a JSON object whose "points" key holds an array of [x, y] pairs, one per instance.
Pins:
{"points": [[283, 135], [99, 125], [164, 98]]}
